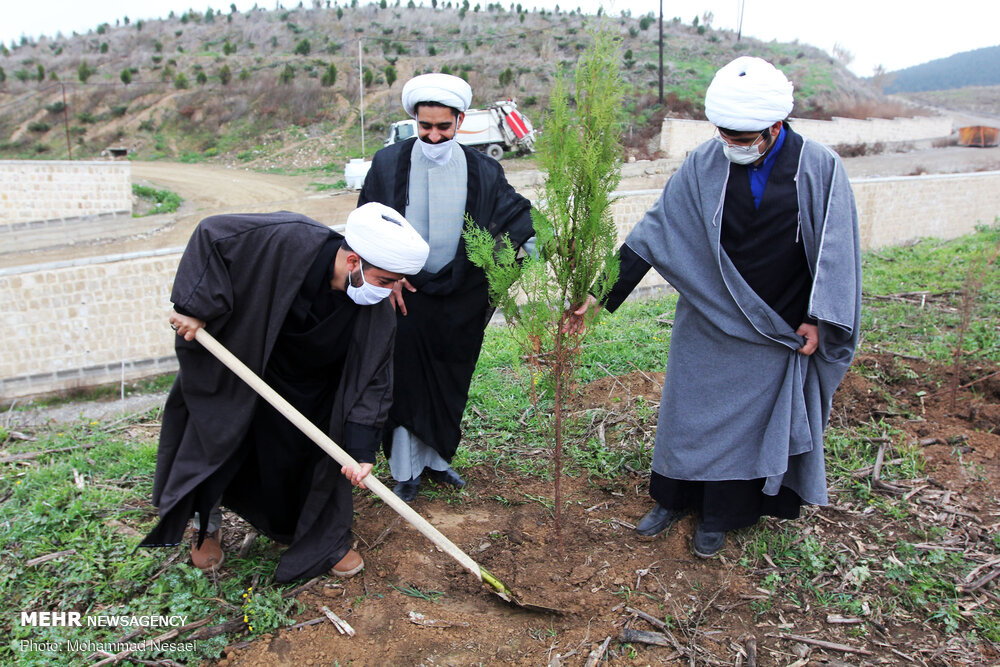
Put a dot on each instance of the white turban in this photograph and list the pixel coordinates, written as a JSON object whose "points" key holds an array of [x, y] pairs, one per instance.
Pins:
{"points": [[445, 89], [384, 238], [748, 94]]}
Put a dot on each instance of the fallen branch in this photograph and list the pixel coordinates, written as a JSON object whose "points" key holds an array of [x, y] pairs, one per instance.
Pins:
{"points": [[647, 617], [976, 585], [844, 648], [343, 626], [751, 648], [417, 618], [27, 456], [630, 636], [248, 541], [293, 592], [598, 653], [47, 557]]}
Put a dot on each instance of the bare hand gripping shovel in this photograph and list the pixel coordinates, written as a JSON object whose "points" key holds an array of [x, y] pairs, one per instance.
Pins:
{"points": [[378, 488]]}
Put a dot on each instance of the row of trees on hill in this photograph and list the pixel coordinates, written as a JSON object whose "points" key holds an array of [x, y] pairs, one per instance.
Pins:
{"points": [[980, 67]]}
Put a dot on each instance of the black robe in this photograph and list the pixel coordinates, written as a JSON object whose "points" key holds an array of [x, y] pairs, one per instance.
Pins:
{"points": [[248, 277], [440, 337]]}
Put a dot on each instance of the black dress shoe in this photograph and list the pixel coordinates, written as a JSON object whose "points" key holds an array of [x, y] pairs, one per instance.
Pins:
{"points": [[448, 476], [706, 543], [658, 519], [407, 490]]}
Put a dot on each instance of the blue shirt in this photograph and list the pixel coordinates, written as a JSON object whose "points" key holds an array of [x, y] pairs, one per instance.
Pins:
{"points": [[758, 174]]}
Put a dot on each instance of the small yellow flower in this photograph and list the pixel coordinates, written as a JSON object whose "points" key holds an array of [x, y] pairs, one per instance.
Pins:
{"points": [[245, 619], [17, 482]]}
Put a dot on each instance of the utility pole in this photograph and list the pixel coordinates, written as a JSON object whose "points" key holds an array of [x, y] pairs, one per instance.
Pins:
{"points": [[661, 51], [69, 145], [361, 88], [739, 21]]}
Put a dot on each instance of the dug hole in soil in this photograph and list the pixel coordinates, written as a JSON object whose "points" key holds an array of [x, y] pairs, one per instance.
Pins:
{"points": [[605, 570]]}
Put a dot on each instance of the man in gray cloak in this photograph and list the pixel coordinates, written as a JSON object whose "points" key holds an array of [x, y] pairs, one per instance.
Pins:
{"points": [[306, 309], [758, 233], [442, 311]]}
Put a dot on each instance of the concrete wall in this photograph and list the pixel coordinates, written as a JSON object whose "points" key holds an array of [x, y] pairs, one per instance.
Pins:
{"points": [[678, 137], [87, 322], [48, 190]]}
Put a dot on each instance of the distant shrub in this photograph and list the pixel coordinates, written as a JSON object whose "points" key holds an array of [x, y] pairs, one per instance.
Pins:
{"points": [[84, 71], [3, 75], [104, 47], [286, 75], [86, 117], [126, 76], [119, 110], [56, 107], [244, 75], [181, 82], [506, 77], [390, 75], [225, 75], [647, 21], [329, 77], [303, 48], [228, 48], [39, 126], [147, 125], [201, 78]]}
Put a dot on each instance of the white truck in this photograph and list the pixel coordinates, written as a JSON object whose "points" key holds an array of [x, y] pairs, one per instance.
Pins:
{"points": [[497, 128]]}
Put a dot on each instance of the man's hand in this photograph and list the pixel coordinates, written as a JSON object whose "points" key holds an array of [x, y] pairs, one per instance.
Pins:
{"points": [[357, 473], [811, 333], [184, 325], [574, 320], [396, 296]]}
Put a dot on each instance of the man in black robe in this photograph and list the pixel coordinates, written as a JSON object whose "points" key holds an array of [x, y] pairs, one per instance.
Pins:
{"points": [[305, 308], [443, 310]]}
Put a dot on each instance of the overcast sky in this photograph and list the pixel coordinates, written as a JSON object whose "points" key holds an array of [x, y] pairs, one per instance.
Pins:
{"points": [[878, 32]]}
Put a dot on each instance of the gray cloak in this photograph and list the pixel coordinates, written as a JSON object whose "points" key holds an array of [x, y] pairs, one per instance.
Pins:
{"points": [[739, 401]]}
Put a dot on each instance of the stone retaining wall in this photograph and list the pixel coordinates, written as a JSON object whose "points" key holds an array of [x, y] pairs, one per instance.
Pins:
{"points": [[95, 321], [33, 190], [679, 137]]}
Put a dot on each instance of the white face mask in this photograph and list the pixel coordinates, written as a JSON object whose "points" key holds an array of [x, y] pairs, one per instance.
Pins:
{"points": [[737, 156], [440, 153], [367, 294], [742, 154]]}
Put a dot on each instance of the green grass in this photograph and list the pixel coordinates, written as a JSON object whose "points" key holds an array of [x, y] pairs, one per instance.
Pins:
{"points": [[99, 523], [913, 297], [162, 201]]}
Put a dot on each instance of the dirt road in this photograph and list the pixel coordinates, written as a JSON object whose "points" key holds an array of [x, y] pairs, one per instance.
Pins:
{"points": [[210, 189]]}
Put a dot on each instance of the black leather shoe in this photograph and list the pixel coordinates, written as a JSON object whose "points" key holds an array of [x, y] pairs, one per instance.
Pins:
{"points": [[657, 520], [448, 476], [706, 543], [407, 490]]}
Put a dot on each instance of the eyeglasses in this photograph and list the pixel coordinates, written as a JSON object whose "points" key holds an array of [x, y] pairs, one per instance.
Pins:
{"points": [[739, 148]]}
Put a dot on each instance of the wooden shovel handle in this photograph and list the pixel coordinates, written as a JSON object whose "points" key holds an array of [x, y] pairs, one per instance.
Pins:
{"points": [[220, 352]]}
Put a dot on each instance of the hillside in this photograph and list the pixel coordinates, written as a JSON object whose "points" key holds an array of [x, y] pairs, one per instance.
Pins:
{"points": [[280, 89], [980, 67]]}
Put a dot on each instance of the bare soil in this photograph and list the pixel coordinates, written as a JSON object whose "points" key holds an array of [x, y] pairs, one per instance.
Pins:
{"points": [[604, 574]]}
